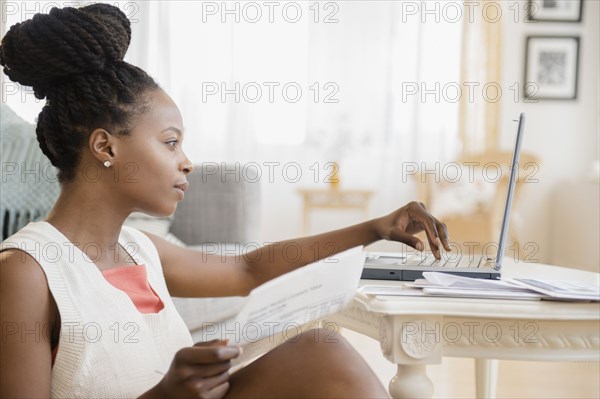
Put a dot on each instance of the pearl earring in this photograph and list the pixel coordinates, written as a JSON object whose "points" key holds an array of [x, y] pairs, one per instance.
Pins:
{"points": [[107, 163]]}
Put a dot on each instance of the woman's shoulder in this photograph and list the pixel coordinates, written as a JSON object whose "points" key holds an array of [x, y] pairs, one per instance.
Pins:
{"points": [[18, 261], [24, 288], [20, 270]]}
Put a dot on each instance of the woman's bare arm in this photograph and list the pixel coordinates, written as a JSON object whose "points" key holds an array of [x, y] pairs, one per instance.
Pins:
{"points": [[25, 317], [191, 273]]}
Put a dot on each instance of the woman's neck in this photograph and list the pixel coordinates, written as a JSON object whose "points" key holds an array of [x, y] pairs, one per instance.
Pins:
{"points": [[91, 219]]}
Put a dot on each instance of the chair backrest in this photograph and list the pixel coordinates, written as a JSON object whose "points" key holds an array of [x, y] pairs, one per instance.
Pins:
{"points": [[528, 163], [220, 206], [495, 163], [473, 209]]}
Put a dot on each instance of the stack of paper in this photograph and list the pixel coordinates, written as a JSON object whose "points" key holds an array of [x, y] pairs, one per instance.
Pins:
{"points": [[445, 284], [560, 289], [450, 285]]}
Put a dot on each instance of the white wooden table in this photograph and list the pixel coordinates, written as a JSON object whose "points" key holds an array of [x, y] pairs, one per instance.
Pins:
{"points": [[417, 331]]}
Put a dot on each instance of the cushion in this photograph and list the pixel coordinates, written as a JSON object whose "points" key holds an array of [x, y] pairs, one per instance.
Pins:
{"points": [[220, 206]]}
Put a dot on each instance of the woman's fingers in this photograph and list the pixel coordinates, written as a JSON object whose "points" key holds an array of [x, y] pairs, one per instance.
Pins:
{"points": [[198, 355], [218, 392], [429, 225], [213, 387], [214, 342], [444, 237], [398, 234], [200, 371], [436, 231], [211, 370]]}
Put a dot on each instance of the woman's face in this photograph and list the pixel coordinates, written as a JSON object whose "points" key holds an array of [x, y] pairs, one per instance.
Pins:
{"points": [[152, 159]]}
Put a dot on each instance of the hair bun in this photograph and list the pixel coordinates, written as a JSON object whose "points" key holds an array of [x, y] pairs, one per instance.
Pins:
{"points": [[54, 47]]}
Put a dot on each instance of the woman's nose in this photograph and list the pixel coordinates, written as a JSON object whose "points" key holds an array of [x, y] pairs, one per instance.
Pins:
{"points": [[187, 166]]}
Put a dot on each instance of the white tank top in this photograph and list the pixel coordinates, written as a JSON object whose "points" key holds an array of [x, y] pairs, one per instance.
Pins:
{"points": [[107, 348]]}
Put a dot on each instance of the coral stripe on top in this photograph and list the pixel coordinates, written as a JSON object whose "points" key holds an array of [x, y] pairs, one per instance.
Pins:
{"points": [[133, 280]]}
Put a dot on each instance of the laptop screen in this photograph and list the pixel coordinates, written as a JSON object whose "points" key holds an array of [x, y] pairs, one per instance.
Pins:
{"points": [[511, 189]]}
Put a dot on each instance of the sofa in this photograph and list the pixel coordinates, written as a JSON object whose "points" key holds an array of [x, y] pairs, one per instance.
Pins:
{"points": [[220, 210]]}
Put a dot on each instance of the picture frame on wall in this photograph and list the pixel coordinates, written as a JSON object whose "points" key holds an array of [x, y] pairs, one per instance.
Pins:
{"points": [[555, 10], [551, 67]]}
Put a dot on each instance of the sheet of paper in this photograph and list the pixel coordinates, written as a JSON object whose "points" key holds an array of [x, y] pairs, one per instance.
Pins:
{"points": [[483, 294], [436, 279], [561, 289], [285, 303]]}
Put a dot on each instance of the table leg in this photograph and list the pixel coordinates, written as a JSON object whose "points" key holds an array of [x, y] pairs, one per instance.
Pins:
{"points": [[411, 381], [486, 378]]}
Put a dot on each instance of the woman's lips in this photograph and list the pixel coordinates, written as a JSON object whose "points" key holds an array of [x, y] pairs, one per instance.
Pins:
{"points": [[179, 192], [181, 188]]}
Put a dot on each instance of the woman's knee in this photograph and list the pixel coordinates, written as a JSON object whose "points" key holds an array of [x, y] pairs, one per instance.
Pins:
{"points": [[316, 363], [319, 336]]}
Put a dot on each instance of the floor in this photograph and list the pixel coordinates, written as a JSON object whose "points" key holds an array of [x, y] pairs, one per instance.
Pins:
{"points": [[455, 377]]}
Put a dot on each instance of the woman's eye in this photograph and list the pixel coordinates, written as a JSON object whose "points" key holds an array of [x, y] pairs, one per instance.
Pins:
{"points": [[172, 142]]}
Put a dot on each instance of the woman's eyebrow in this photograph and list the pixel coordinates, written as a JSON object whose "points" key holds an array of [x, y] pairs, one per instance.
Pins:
{"points": [[177, 131]]}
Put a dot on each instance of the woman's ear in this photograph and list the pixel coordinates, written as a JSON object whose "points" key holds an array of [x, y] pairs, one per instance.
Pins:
{"points": [[102, 145]]}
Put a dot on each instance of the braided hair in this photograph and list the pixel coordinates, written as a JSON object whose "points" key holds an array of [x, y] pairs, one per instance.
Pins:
{"points": [[73, 57]]}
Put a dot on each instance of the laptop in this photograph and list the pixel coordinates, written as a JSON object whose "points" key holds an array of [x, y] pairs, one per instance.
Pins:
{"points": [[406, 266]]}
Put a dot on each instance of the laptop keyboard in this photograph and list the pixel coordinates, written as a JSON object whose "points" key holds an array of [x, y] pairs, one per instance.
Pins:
{"points": [[450, 262]]}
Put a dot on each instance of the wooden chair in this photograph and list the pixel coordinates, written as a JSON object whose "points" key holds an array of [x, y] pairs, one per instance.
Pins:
{"points": [[479, 230]]}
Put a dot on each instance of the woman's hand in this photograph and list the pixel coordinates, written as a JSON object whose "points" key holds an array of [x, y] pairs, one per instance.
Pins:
{"points": [[411, 219], [199, 371]]}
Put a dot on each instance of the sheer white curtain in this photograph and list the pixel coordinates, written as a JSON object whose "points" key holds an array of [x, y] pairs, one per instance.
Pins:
{"points": [[362, 60], [383, 75]]}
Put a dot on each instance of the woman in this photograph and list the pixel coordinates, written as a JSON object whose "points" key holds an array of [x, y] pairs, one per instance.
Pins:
{"points": [[71, 334]]}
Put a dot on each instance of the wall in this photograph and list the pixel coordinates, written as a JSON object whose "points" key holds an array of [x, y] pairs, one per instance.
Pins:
{"points": [[564, 134]]}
